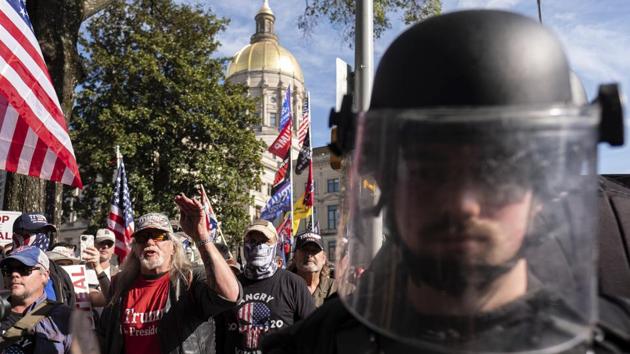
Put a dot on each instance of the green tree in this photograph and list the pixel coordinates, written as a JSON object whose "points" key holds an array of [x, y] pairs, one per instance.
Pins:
{"points": [[341, 13], [153, 87]]}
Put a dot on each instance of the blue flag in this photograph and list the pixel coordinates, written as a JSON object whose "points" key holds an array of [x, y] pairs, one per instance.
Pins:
{"points": [[279, 203], [285, 114]]}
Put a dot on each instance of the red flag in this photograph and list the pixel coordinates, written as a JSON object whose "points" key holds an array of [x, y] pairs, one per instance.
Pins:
{"points": [[282, 172], [281, 145], [34, 137], [284, 229]]}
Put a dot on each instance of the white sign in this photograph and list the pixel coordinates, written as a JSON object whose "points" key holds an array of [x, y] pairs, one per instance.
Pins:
{"points": [[79, 277], [6, 226]]}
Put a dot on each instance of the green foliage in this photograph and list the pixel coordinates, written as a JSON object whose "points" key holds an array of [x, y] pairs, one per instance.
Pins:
{"points": [[152, 86], [341, 13]]}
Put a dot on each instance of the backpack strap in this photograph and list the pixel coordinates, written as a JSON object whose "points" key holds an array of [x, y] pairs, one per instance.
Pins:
{"points": [[25, 325]]}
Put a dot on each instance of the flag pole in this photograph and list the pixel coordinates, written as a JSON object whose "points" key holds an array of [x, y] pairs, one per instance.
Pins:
{"points": [[291, 159], [221, 238], [118, 156], [310, 147]]}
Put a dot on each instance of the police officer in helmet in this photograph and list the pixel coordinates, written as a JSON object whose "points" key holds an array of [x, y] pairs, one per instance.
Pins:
{"points": [[487, 182]]}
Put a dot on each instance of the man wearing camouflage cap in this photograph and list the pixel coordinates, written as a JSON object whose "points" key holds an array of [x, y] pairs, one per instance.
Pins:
{"points": [[159, 302]]}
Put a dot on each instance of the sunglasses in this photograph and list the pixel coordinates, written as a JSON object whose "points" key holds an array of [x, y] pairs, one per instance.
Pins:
{"points": [[157, 236], [23, 270], [106, 244]]}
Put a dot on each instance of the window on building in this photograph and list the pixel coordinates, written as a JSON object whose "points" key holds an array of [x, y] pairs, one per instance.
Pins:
{"points": [[332, 248], [269, 188], [258, 211], [332, 217], [273, 120], [333, 185]]}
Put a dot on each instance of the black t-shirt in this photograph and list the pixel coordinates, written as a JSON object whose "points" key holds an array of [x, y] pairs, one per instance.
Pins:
{"points": [[268, 305]]}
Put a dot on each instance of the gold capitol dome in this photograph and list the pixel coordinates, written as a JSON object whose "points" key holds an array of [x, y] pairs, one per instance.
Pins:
{"points": [[264, 53]]}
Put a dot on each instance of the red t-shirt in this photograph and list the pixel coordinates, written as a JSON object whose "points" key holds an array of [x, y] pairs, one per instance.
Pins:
{"points": [[141, 313]]}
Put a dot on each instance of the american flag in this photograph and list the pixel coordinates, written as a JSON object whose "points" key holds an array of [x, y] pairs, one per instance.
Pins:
{"points": [[304, 139], [306, 119], [34, 137], [39, 240], [254, 320], [120, 218], [211, 218]]}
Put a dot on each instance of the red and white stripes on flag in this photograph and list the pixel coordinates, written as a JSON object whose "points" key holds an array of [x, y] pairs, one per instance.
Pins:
{"points": [[306, 119], [120, 218], [34, 137]]}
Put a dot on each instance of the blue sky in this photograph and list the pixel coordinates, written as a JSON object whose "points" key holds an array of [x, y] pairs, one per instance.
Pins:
{"points": [[596, 36]]}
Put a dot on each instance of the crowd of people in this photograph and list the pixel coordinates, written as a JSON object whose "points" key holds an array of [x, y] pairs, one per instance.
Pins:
{"points": [[481, 237], [174, 292]]}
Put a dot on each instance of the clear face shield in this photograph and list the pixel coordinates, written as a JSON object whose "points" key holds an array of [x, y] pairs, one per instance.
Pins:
{"points": [[473, 230]]}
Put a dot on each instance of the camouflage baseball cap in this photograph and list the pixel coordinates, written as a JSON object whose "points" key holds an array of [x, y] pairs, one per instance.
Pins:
{"points": [[155, 221]]}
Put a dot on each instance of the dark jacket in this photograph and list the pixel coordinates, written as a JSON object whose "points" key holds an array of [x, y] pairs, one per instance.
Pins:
{"points": [[331, 329], [185, 323], [64, 289], [49, 335]]}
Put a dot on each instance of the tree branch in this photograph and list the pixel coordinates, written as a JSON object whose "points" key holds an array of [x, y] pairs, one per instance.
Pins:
{"points": [[91, 7]]}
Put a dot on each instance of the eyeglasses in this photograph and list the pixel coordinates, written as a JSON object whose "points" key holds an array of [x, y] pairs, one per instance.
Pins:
{"points": [[157, 236], [22, 270], [104, 244]]}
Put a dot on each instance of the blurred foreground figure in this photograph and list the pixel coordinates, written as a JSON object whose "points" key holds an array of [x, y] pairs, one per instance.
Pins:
{"points": [[484, 171]]}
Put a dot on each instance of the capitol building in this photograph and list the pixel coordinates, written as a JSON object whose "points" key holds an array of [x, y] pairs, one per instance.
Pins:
{"points": [[268, 69]]}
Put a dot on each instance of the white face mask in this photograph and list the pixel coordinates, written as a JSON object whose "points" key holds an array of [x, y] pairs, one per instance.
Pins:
{"points": [[260, 260]]}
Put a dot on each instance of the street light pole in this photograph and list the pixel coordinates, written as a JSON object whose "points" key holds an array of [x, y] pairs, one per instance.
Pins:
{"points": [[364, 73]]}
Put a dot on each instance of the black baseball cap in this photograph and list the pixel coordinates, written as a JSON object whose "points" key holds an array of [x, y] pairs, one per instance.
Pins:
{"points": [[308, 237], [31, 222]]}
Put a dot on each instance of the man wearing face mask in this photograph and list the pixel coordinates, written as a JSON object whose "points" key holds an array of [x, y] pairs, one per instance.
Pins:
{"points": [[272, 298]]}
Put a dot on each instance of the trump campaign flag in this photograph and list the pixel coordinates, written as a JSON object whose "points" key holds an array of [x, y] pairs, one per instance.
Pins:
{"points": [[282, 145], [120, 218], [34, 137], [279, 203], [285, 113]]}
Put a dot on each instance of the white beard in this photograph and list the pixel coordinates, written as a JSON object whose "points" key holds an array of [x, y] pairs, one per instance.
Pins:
{"points": [[311, 267], [152, 263]]}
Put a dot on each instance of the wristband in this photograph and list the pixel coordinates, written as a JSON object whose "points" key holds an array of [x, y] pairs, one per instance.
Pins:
{"points": [[201, 243]]}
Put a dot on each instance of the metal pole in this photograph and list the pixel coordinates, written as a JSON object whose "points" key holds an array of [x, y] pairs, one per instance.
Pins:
{"points": [[364, 72], [310, 146], [364, 54], [539, 12]]}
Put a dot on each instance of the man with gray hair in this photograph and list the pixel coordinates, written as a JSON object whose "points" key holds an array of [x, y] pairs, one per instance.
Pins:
{"points": [[310, 263], [159, 302]]}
